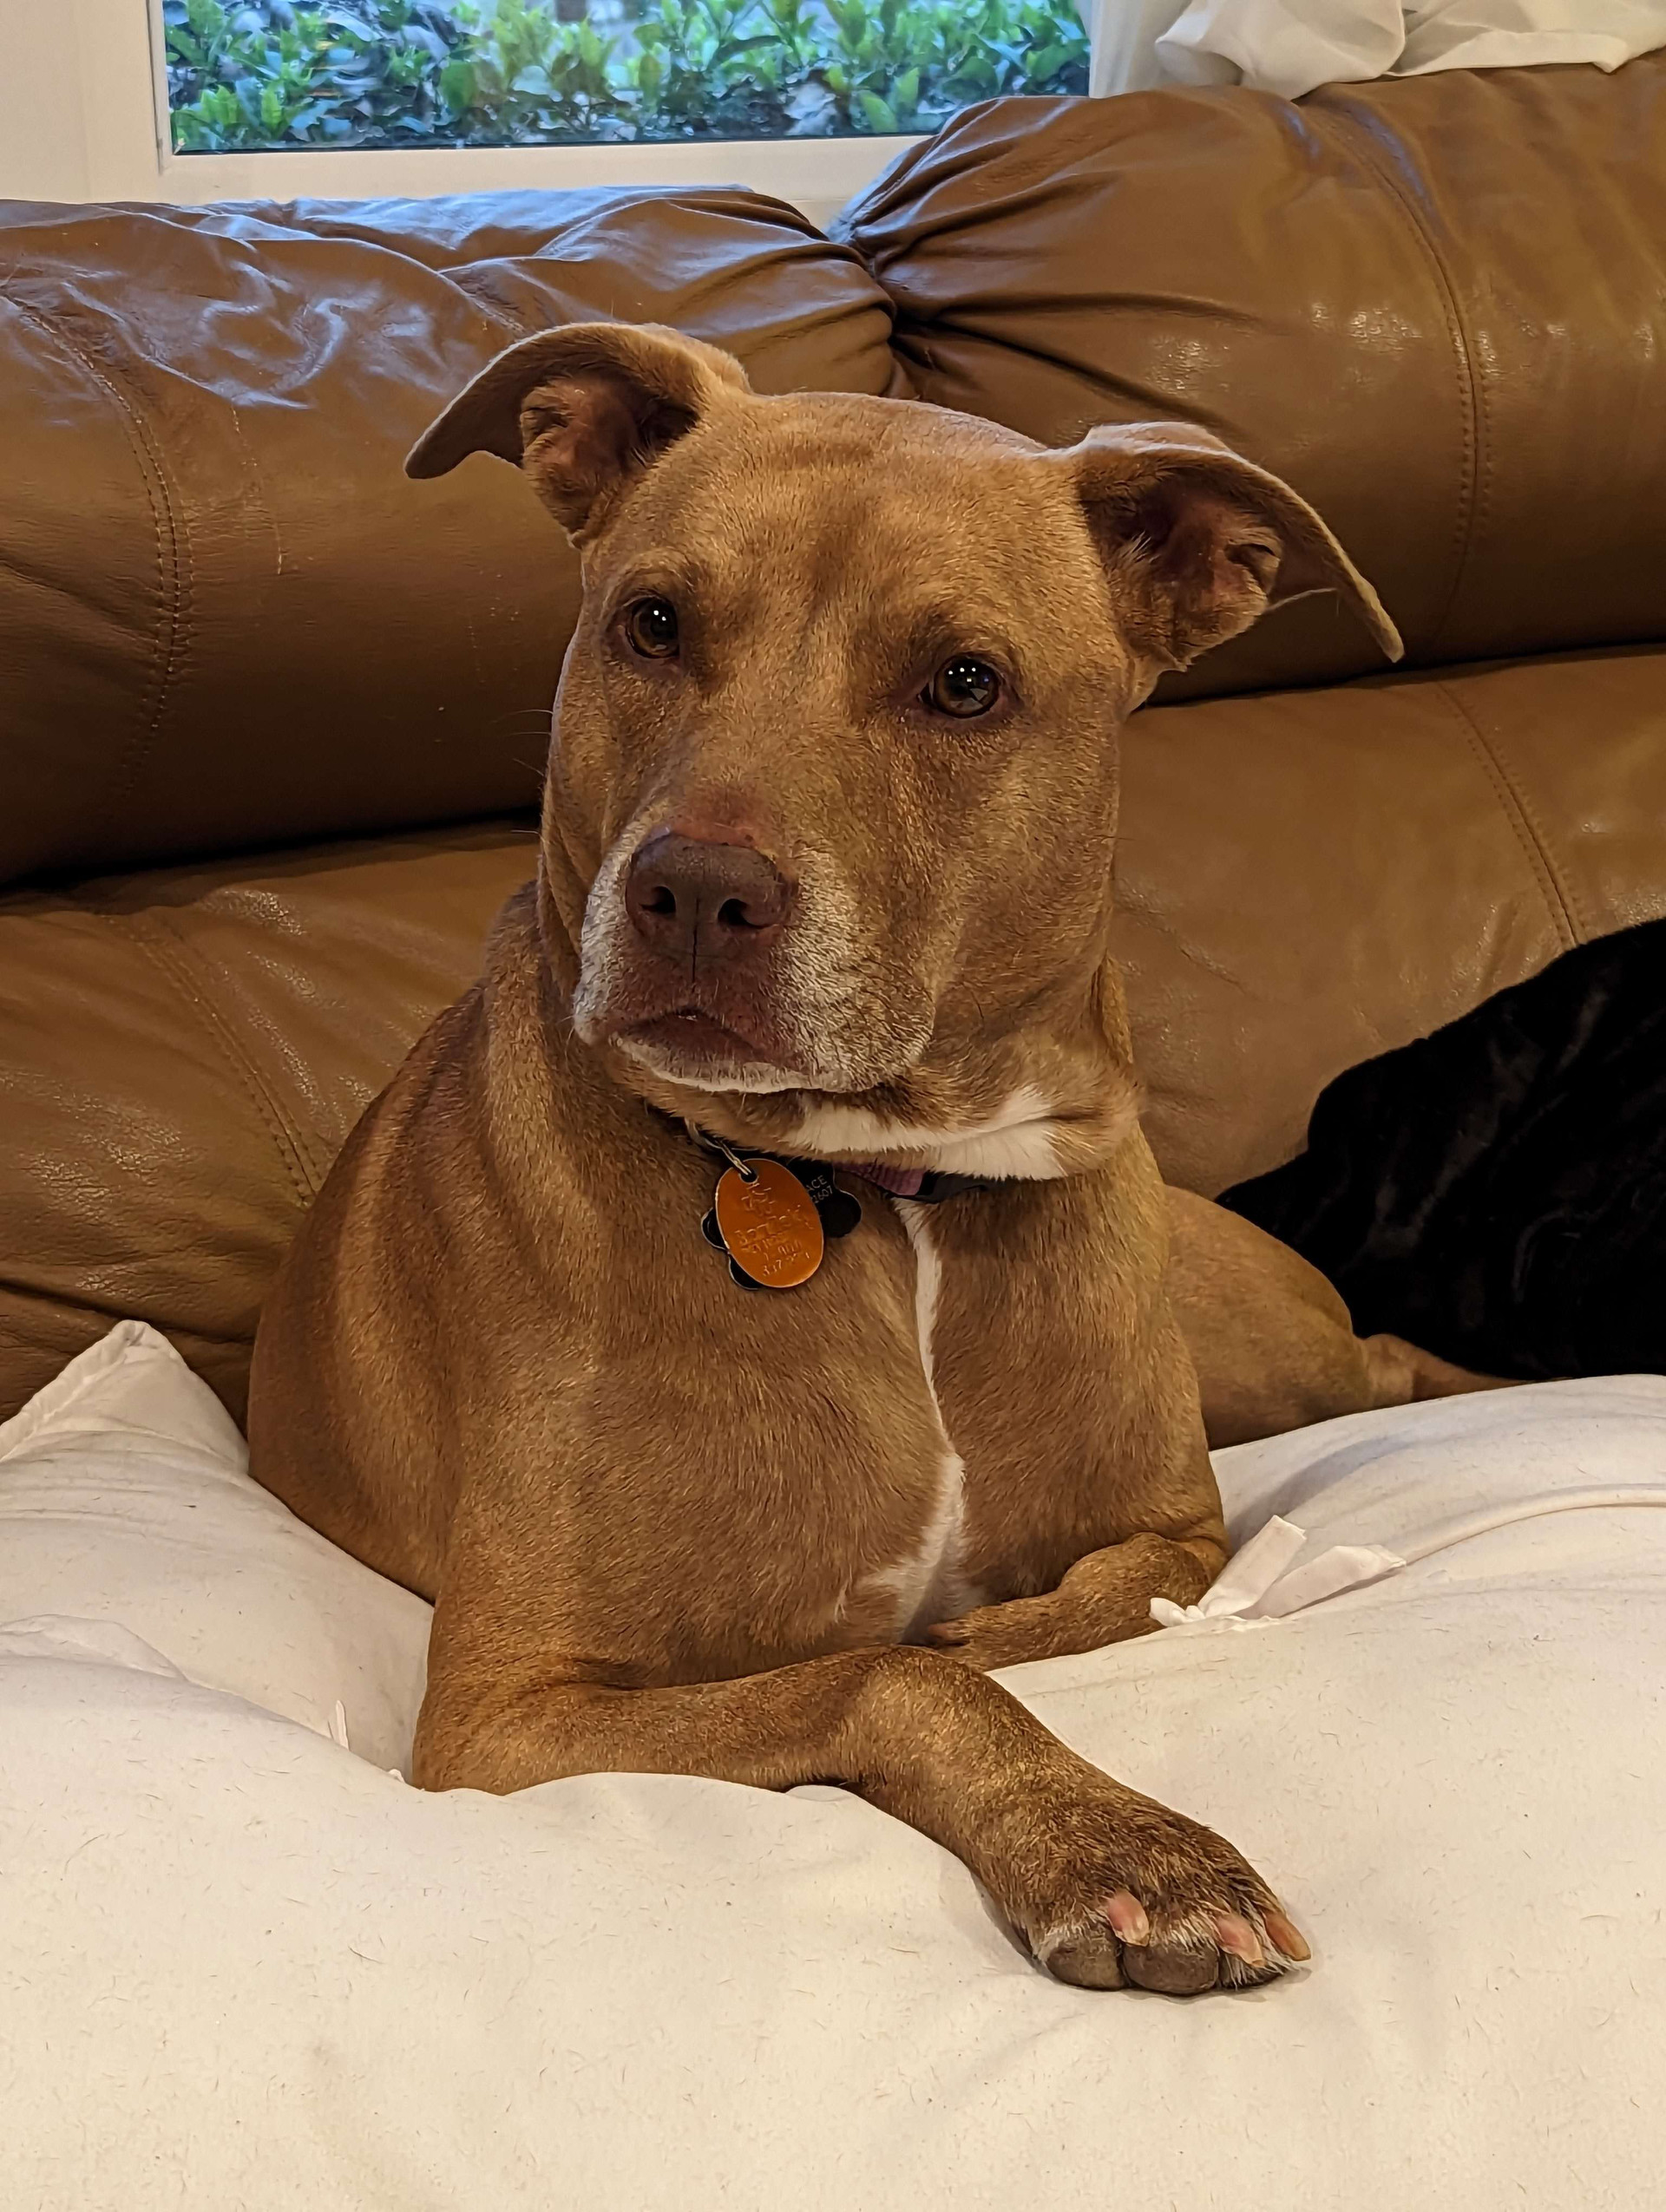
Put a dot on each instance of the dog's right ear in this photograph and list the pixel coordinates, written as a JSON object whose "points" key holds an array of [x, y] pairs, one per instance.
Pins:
{"points": [[584, 410], [1197, 542]]}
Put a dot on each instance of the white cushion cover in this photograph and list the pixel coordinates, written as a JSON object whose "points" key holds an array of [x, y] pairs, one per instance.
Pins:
{"points": [[241, 1966], [125, 1497]]}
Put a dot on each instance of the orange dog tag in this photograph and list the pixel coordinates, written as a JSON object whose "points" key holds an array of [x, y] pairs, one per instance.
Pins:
{"points": [[769, 1225]]}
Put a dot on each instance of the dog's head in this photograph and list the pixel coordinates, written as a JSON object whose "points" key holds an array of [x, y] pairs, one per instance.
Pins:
{"points": [[832, 797]]}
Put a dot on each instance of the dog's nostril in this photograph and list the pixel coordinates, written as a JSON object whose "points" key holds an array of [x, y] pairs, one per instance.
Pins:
{"points": [[694, 899]]}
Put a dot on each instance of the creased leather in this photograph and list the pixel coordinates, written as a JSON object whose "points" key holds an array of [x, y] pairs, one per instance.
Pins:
{"points": [[1434, 307], [231, 629], [227, 617]]}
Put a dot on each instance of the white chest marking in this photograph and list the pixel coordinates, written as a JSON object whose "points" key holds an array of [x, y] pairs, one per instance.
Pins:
{"points": [[1017, 1141], [929, 1585]]}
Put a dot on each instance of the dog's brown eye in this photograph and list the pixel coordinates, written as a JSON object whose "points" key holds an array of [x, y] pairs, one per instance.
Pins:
{"points": [[651, 626], [963, 687]]}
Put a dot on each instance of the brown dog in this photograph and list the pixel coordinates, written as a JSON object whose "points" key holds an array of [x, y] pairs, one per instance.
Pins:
{"points": [[825, 871]]}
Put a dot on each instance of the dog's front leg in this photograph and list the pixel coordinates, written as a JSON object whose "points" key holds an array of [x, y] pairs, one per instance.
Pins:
{"points": [[1106, 1598], [1104, 1885]]}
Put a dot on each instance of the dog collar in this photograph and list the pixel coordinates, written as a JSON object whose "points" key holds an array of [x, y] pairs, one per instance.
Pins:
{"points": [[772, 1213]]}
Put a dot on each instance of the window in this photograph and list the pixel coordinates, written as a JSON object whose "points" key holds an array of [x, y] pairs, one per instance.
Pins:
{"points": [[267, 76], [203, 100]]}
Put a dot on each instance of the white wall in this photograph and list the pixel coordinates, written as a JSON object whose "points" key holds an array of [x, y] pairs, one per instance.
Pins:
{"points": [[77, 101], [42, 119]]}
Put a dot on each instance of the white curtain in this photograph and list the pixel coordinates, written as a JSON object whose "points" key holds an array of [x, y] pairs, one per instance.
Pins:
{"points": [[1290, 45]]}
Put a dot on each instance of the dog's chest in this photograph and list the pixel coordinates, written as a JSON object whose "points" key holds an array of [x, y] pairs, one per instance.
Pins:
{"points": [[1031, 1341], [823, 1461], [926, 1584], [804, 1495], [1022, 1346], [957, 1393]]}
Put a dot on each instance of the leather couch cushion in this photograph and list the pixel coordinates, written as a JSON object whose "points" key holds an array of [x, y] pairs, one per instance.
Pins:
{"points": [[181, 1054], [1304, 881], [227, 618], [1435, 307]]}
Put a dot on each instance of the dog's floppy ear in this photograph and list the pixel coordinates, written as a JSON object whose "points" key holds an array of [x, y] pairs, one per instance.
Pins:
{"points": [[1199, 542], [582, 410]]}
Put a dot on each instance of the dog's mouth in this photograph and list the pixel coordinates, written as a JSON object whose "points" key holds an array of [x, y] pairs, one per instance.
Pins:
{"points": [[690, 1045], [691, 1031]]}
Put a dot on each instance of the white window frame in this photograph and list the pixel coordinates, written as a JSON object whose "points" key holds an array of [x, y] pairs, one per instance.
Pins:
{"points": [[109, 57]]}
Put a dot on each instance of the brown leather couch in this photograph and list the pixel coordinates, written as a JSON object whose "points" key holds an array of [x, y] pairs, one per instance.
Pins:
{"points": [[271, 717]]}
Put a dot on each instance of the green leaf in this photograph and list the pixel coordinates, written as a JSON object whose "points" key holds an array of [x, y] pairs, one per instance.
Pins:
{"points": [[354, 26], [458, 86], [376, 72]]}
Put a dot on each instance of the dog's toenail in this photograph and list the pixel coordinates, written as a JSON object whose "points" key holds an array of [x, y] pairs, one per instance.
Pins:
{"points": [[1288, 1938], [1127, 1917], [1237, 1936]]}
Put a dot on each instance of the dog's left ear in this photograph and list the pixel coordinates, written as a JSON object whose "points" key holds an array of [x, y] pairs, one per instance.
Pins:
{"points": [[584, 410], [1198, 542]]}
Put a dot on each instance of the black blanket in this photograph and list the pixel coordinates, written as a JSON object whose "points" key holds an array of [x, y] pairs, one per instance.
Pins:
{"points": [[1497, 1192]]}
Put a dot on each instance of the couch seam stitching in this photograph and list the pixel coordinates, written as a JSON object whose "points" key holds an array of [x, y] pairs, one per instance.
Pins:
{"points": [[1475, 494], [1569, 924], [170, 645], [174, 963]]}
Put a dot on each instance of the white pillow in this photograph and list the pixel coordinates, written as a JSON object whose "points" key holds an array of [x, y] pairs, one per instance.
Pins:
{"points": [[243, 1967], [1293, 46], [125, 1497]]}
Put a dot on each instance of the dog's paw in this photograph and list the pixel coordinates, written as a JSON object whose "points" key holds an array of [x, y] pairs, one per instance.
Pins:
{"points": [[1126, 1892], [1104, 1599], [993, 1636]]}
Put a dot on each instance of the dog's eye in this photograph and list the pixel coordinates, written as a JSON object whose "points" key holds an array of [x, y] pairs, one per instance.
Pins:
{"points": [[963, 687], [651, 626]]}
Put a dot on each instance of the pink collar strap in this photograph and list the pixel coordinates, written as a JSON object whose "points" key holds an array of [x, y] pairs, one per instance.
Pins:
{"points": [[902, 1182]]}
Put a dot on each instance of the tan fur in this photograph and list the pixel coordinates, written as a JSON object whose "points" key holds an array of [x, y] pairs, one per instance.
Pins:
{"points": [[1270, 1339], [672, 1524]]}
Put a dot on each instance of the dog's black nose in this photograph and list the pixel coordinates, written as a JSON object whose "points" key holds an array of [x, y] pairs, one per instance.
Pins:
{"points": [[694, 900]]}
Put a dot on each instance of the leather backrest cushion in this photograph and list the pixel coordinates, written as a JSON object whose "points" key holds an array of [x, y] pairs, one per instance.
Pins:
{"points": [[226, 617], [1303, 879], [1437, 306]]}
